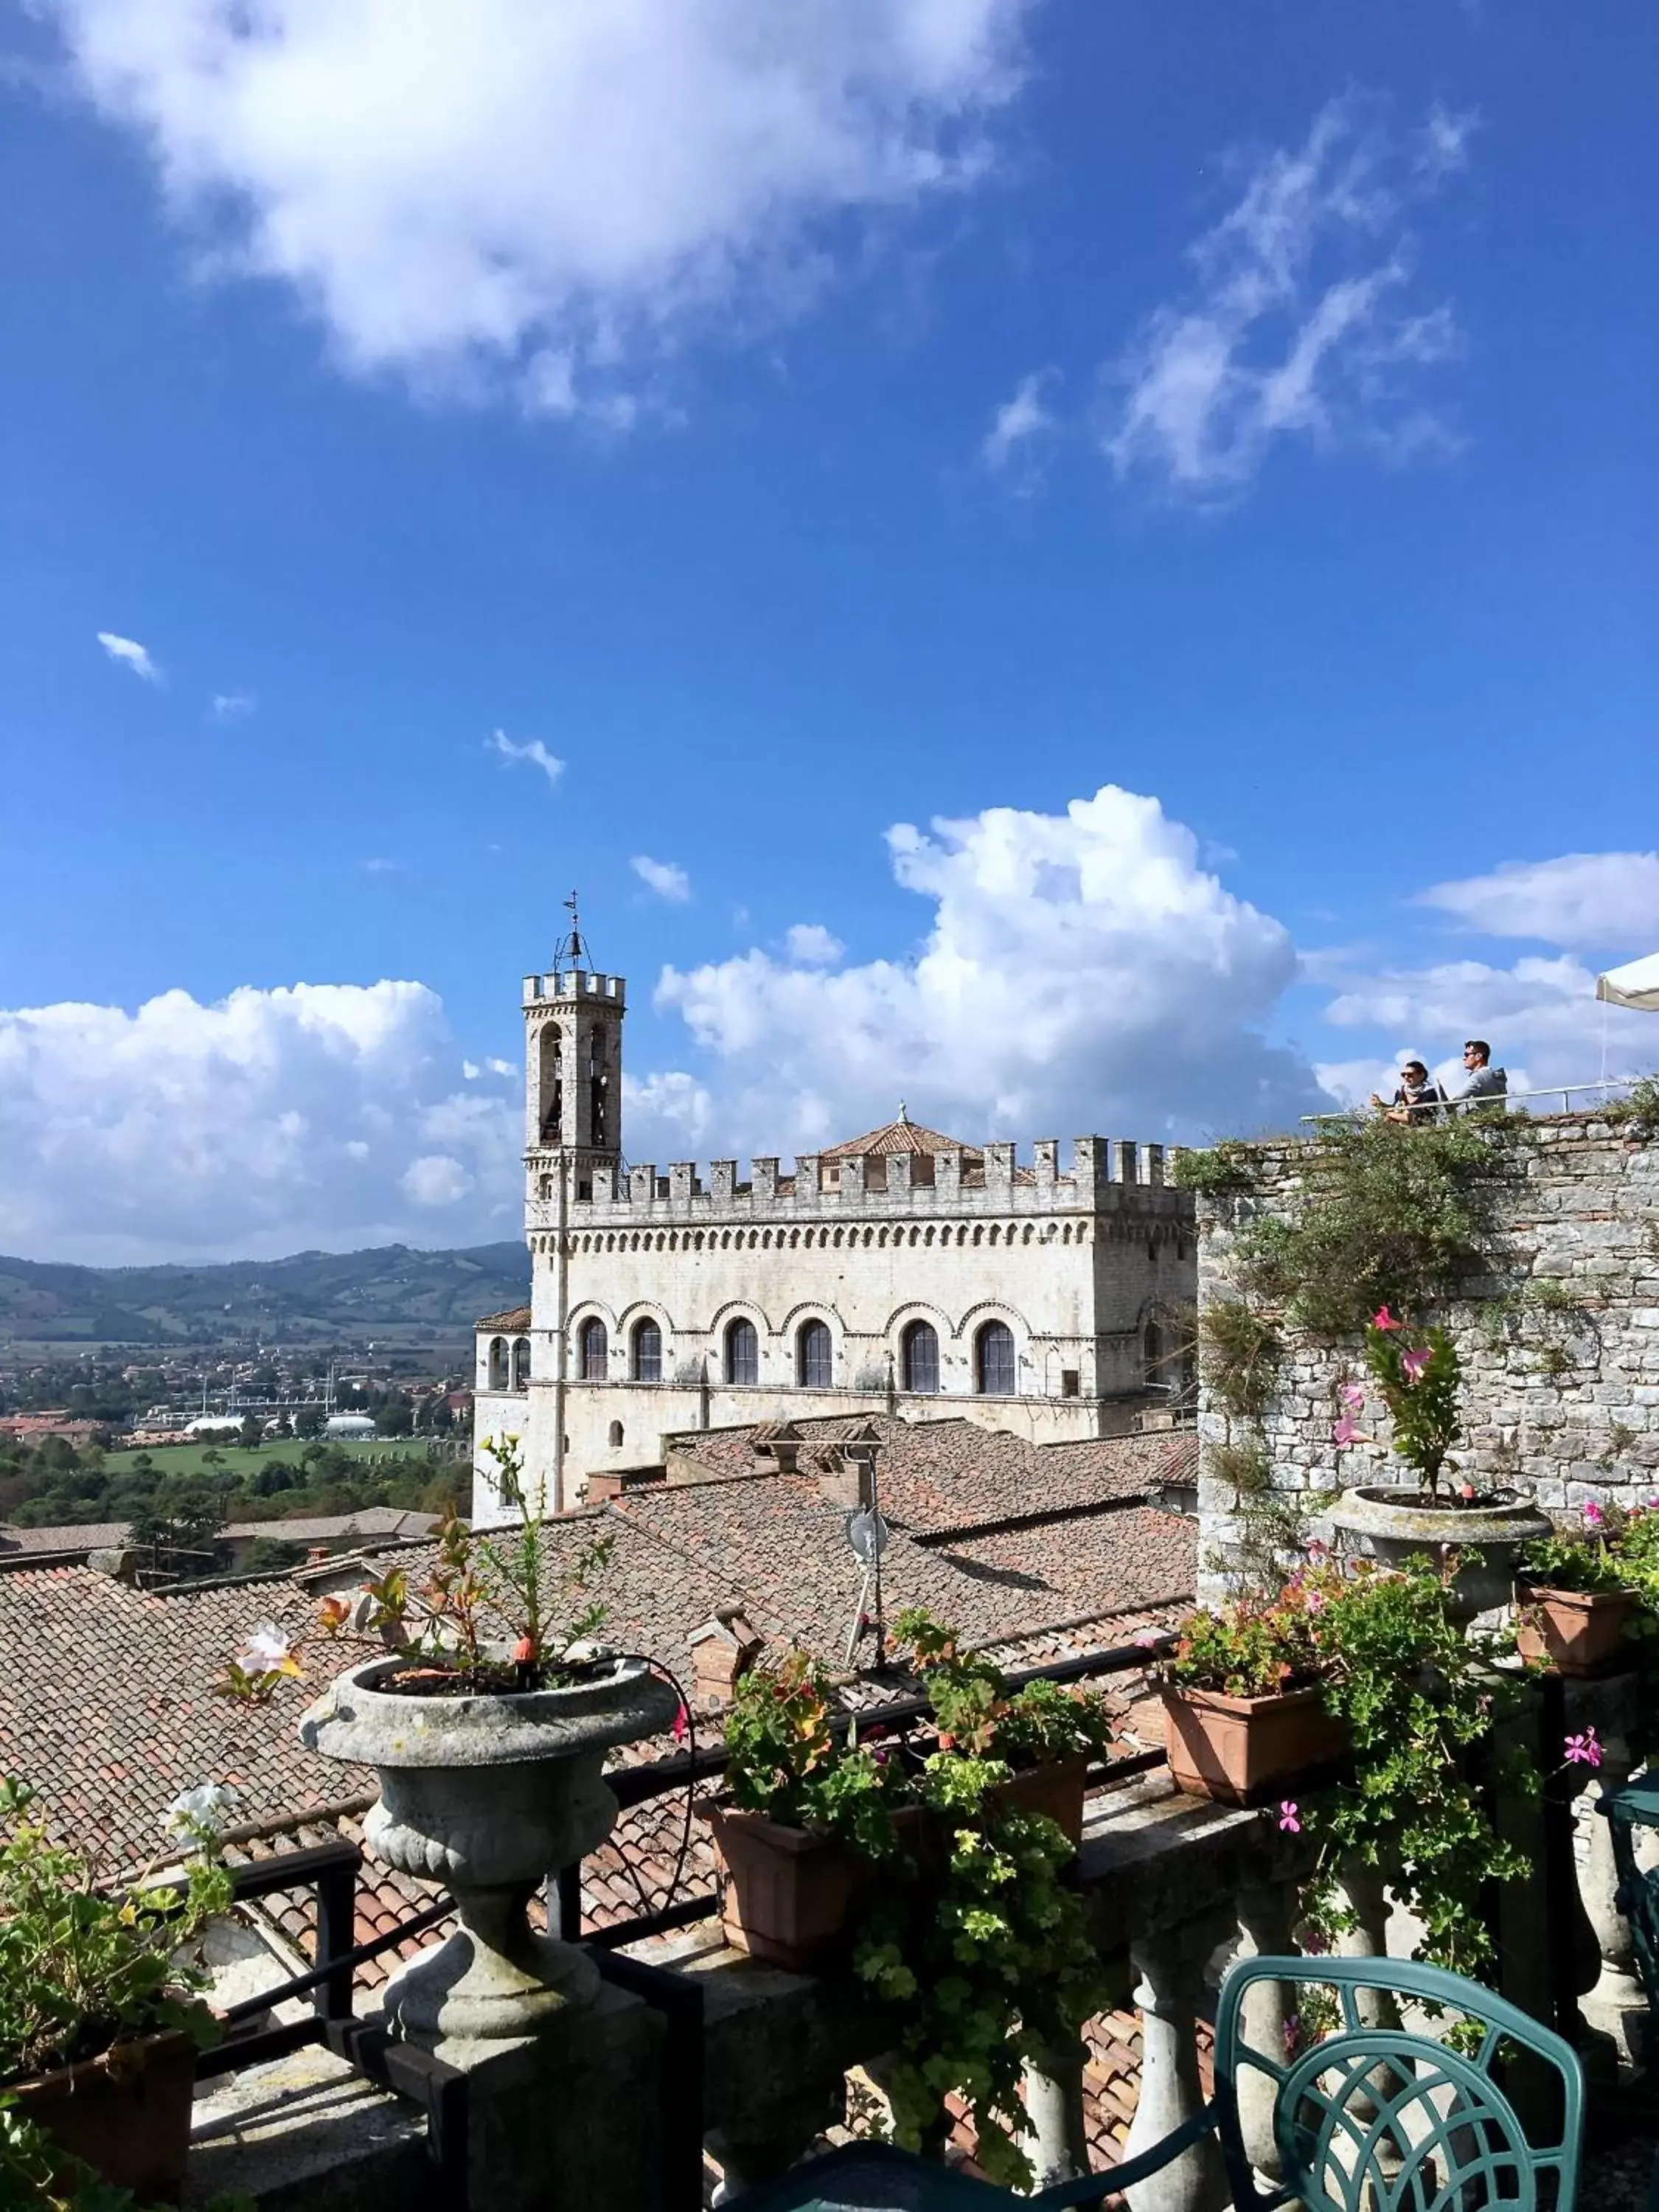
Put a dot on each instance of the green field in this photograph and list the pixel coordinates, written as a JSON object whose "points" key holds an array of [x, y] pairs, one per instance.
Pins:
{"points": [[385, 1452]]}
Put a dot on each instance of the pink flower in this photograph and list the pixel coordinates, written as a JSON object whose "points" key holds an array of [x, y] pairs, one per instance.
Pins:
{"points": [[1582, 1750], [1383, 1318], [1593, 1513], [682, 1722], [1353, 1396], [1147, 1639], [1288, 1815], [1344, 1433], [1292, 2032], [1466, 1492], [1316, 1548], [1412, 1363]]}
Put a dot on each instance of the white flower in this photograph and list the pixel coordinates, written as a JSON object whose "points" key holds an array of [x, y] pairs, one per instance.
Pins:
{"points": [[202, 1812], [266, 1647]]}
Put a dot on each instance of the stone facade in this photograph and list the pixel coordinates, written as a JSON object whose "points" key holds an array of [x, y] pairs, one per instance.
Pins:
{"points": [[880, 1275], [1561, 1396]]}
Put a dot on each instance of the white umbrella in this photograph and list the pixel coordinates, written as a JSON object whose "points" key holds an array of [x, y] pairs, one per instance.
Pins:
{"points": [[1636, 984]]}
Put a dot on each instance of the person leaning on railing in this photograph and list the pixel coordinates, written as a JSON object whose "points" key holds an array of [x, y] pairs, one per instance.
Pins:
{"points": [[1419, 1097], [1485, 1082]]}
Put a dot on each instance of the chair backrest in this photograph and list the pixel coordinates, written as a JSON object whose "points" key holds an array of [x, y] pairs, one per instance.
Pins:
{"points": [[1368, 2116]]}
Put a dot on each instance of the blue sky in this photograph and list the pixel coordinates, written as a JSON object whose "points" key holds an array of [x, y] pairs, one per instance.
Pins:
{"points": [[925, 411]]}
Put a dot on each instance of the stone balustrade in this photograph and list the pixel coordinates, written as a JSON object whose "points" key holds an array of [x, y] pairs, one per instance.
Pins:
{"points": [[1174, 1888]]}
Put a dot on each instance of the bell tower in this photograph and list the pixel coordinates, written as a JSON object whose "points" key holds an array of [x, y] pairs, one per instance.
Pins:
{"points": [[573, 1069]]}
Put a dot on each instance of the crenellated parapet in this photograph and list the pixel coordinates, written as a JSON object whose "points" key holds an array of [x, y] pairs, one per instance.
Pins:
{"points": [[1104, 1175]]}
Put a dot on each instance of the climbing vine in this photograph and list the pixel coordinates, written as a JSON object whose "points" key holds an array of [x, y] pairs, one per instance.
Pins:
{"points": [[1391, 1215]]}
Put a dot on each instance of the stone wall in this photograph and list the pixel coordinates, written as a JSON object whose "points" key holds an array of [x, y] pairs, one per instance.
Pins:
{"points": [[1559, 1341]]}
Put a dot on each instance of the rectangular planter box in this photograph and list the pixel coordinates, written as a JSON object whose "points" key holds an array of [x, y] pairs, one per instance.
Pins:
{"points": [[126, 2114], [1055, 1790], [1580, 1632], [1243, 1751], [786, 1895]]}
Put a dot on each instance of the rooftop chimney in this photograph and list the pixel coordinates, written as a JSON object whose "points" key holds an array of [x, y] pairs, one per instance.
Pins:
{"points": [[722, 1651]]}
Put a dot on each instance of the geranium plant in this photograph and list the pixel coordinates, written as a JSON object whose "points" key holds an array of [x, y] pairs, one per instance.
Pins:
{"points": [[84, 1967], [793, 1753], [974, 1707], [981, 1953], [1257, 1646], [1588, 1559]]}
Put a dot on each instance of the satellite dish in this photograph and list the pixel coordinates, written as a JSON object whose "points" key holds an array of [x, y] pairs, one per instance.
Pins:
{"points": [[867, 1534]]}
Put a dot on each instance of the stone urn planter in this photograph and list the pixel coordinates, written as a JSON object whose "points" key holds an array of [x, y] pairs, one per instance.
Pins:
{"points": [[126, 2112], [487, 1794], [1243, 1751], [1396, 1524], [1580, 1632]]}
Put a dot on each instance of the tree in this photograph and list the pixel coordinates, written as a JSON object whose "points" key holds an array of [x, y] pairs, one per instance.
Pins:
{"points": [[252, 1432], [396, 1421], [308, 1421]]}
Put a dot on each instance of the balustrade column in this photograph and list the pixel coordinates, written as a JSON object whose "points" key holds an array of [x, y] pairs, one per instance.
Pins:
{"points": [[778, 2137], [1615, 2006], [1171, 1965], [1267, 1913], [1053, 2105], [1365, 1894]]}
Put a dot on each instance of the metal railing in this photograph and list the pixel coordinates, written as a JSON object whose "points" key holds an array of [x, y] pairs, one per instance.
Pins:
{"points": [[331, 1870], [1564, 1091]]}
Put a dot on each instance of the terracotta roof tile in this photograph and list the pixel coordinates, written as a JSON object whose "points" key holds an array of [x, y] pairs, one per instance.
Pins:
{"points": [[516, 1318], [904, 1136]]}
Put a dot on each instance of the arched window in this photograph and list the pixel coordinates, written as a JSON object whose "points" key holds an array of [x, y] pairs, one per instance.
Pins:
{"points": [[742, 1353], [1151, 1353], [919, 1347], [616, 1436], [815, 1356], [648, 1352], [521, 1363], [498, 1363], [592, 1355], [994, 1370]]}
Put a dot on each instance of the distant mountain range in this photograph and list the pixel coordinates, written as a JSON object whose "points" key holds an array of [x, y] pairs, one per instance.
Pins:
{"points": [[390, 1291]]}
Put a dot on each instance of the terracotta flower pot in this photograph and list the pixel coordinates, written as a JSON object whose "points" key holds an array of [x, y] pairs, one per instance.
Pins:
{"points": [[125, 2112], [786, 1895], [1055, 1789], [1579, 1631], [1243, 1750]]}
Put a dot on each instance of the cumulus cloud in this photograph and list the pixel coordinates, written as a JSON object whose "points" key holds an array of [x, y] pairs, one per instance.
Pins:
{"points": [[532, 751], [1301, 320], [127, 652], [555, 195], [811, 945], [231, 706], [1540, 1015], [666, 878], [1020, 430], [1602, 899], [1082, 973], [272, 1120]]}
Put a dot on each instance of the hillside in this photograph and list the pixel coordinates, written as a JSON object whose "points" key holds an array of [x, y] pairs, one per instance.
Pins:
{"points": [[389, 1290]]}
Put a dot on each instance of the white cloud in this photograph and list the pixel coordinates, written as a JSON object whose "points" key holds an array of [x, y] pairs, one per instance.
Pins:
{"points": [[1082, 973], [556, 194], [532, 751], [435, 1180], [1020, 426], [811, 945], [265, 1123], [379, 866], [666, 878], [1598, 899], [1300, 320], [129, 653], [471, 1070], [232, 706], [1540, 1015], [501, 1067]]}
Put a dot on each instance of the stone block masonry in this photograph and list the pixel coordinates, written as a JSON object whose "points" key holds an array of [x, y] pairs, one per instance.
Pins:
{"points": [[1560, 1339]]}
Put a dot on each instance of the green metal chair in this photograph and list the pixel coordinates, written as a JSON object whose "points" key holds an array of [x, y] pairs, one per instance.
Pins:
{"points": [[1370, 2119]]}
